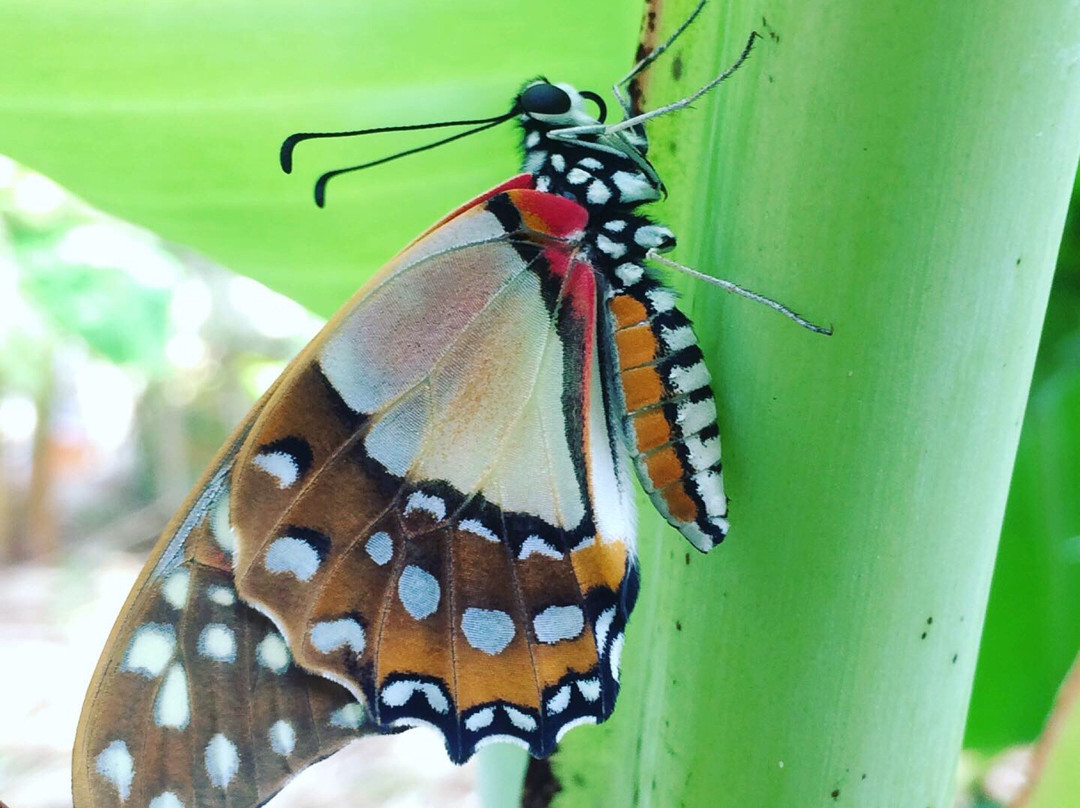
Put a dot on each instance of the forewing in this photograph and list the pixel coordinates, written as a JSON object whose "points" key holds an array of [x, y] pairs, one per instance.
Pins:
{"points": [[454, 543], [196, 699]]}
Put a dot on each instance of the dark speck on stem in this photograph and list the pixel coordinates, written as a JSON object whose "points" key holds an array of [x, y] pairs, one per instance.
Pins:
{"points": [[676, 67]]}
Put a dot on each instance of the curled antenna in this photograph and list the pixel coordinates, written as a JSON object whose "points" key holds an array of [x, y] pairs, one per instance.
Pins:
{"points": [[290, 143]]}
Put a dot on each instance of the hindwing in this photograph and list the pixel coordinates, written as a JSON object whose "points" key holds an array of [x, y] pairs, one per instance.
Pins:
{"points": [[196, 699]]}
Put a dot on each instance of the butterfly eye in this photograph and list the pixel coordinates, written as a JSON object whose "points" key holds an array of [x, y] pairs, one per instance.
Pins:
{"points": [[545, 99]]}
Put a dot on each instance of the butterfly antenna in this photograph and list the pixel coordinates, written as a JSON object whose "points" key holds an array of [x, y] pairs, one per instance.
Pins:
{"points": [[290, 143], [652, 56], [690, 99], [734, 288], [320, 183]]}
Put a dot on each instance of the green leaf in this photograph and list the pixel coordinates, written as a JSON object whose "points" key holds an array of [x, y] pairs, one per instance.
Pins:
{"points": [[901, 171], [1033, 619], [171, 115]]}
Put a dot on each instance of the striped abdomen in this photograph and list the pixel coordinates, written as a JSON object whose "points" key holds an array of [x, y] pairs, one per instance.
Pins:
{"points": [[669, 414]]}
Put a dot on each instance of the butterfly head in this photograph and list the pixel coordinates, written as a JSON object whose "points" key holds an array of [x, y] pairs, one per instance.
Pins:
{"points": [[569, 148], [560, 105]]}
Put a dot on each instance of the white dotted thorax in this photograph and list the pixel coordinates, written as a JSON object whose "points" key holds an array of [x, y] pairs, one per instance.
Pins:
{"points": [[570, 154]]}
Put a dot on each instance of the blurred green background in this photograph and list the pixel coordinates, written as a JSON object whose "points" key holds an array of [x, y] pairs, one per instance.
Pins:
{"points": [[125, 358]]}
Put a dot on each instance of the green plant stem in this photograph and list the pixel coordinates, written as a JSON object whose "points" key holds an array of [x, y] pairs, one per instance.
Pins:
{"points": [[901, 171]]}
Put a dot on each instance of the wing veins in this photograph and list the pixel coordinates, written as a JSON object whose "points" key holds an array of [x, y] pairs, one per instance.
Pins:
{"points": [[360, 433]]}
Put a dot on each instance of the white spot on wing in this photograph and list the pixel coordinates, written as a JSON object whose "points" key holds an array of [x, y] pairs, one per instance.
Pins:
{"points": [[569, 725], [615, 225], [351, 716], [171, 707], [222, 761], [272, 653], [616, 654], [534, 545], [115, 764], [487, 630], [282, 738], [558, 162], [511, 739], [221, 525], [397, 693], [474, 526], [419, 592], [419, 501], [175, 589], [166, 799], [150, 649], [221, 595], [558, 623], [280, 465], [330, 635], [589, 689], [603, 626], [560, 701], [480, 719], [590, 163], [217, 642], [380, 547], [522, 721], [292, 555]]}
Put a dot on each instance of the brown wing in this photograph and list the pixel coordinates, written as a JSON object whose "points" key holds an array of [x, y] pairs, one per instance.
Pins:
{"points": [[196, 700]]}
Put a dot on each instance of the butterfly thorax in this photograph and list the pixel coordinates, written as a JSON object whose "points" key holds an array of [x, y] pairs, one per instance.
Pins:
{"points": [[607, 174]]}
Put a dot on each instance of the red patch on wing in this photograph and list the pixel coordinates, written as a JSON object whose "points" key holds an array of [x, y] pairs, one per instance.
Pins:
{"points": [[548, 214], [580, 293]]}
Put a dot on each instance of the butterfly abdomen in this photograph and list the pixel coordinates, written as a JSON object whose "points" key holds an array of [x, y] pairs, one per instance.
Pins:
{"points": [[653, 369], [669, 418], [658, 375]]}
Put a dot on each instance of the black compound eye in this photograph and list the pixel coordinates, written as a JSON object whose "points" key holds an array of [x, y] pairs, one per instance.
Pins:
{"points": [[545, 99]]}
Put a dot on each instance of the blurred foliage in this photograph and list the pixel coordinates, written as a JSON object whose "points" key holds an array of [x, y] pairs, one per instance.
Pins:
{"points": [[1032, 628], [170, 115], [119, 319]]}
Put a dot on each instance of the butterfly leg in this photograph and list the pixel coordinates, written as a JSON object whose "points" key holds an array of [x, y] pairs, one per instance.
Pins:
{"points": [[652, 56], [734, 288]]}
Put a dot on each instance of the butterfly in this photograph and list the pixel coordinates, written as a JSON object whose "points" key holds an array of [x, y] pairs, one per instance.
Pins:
{"points": [[429, 519]]}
